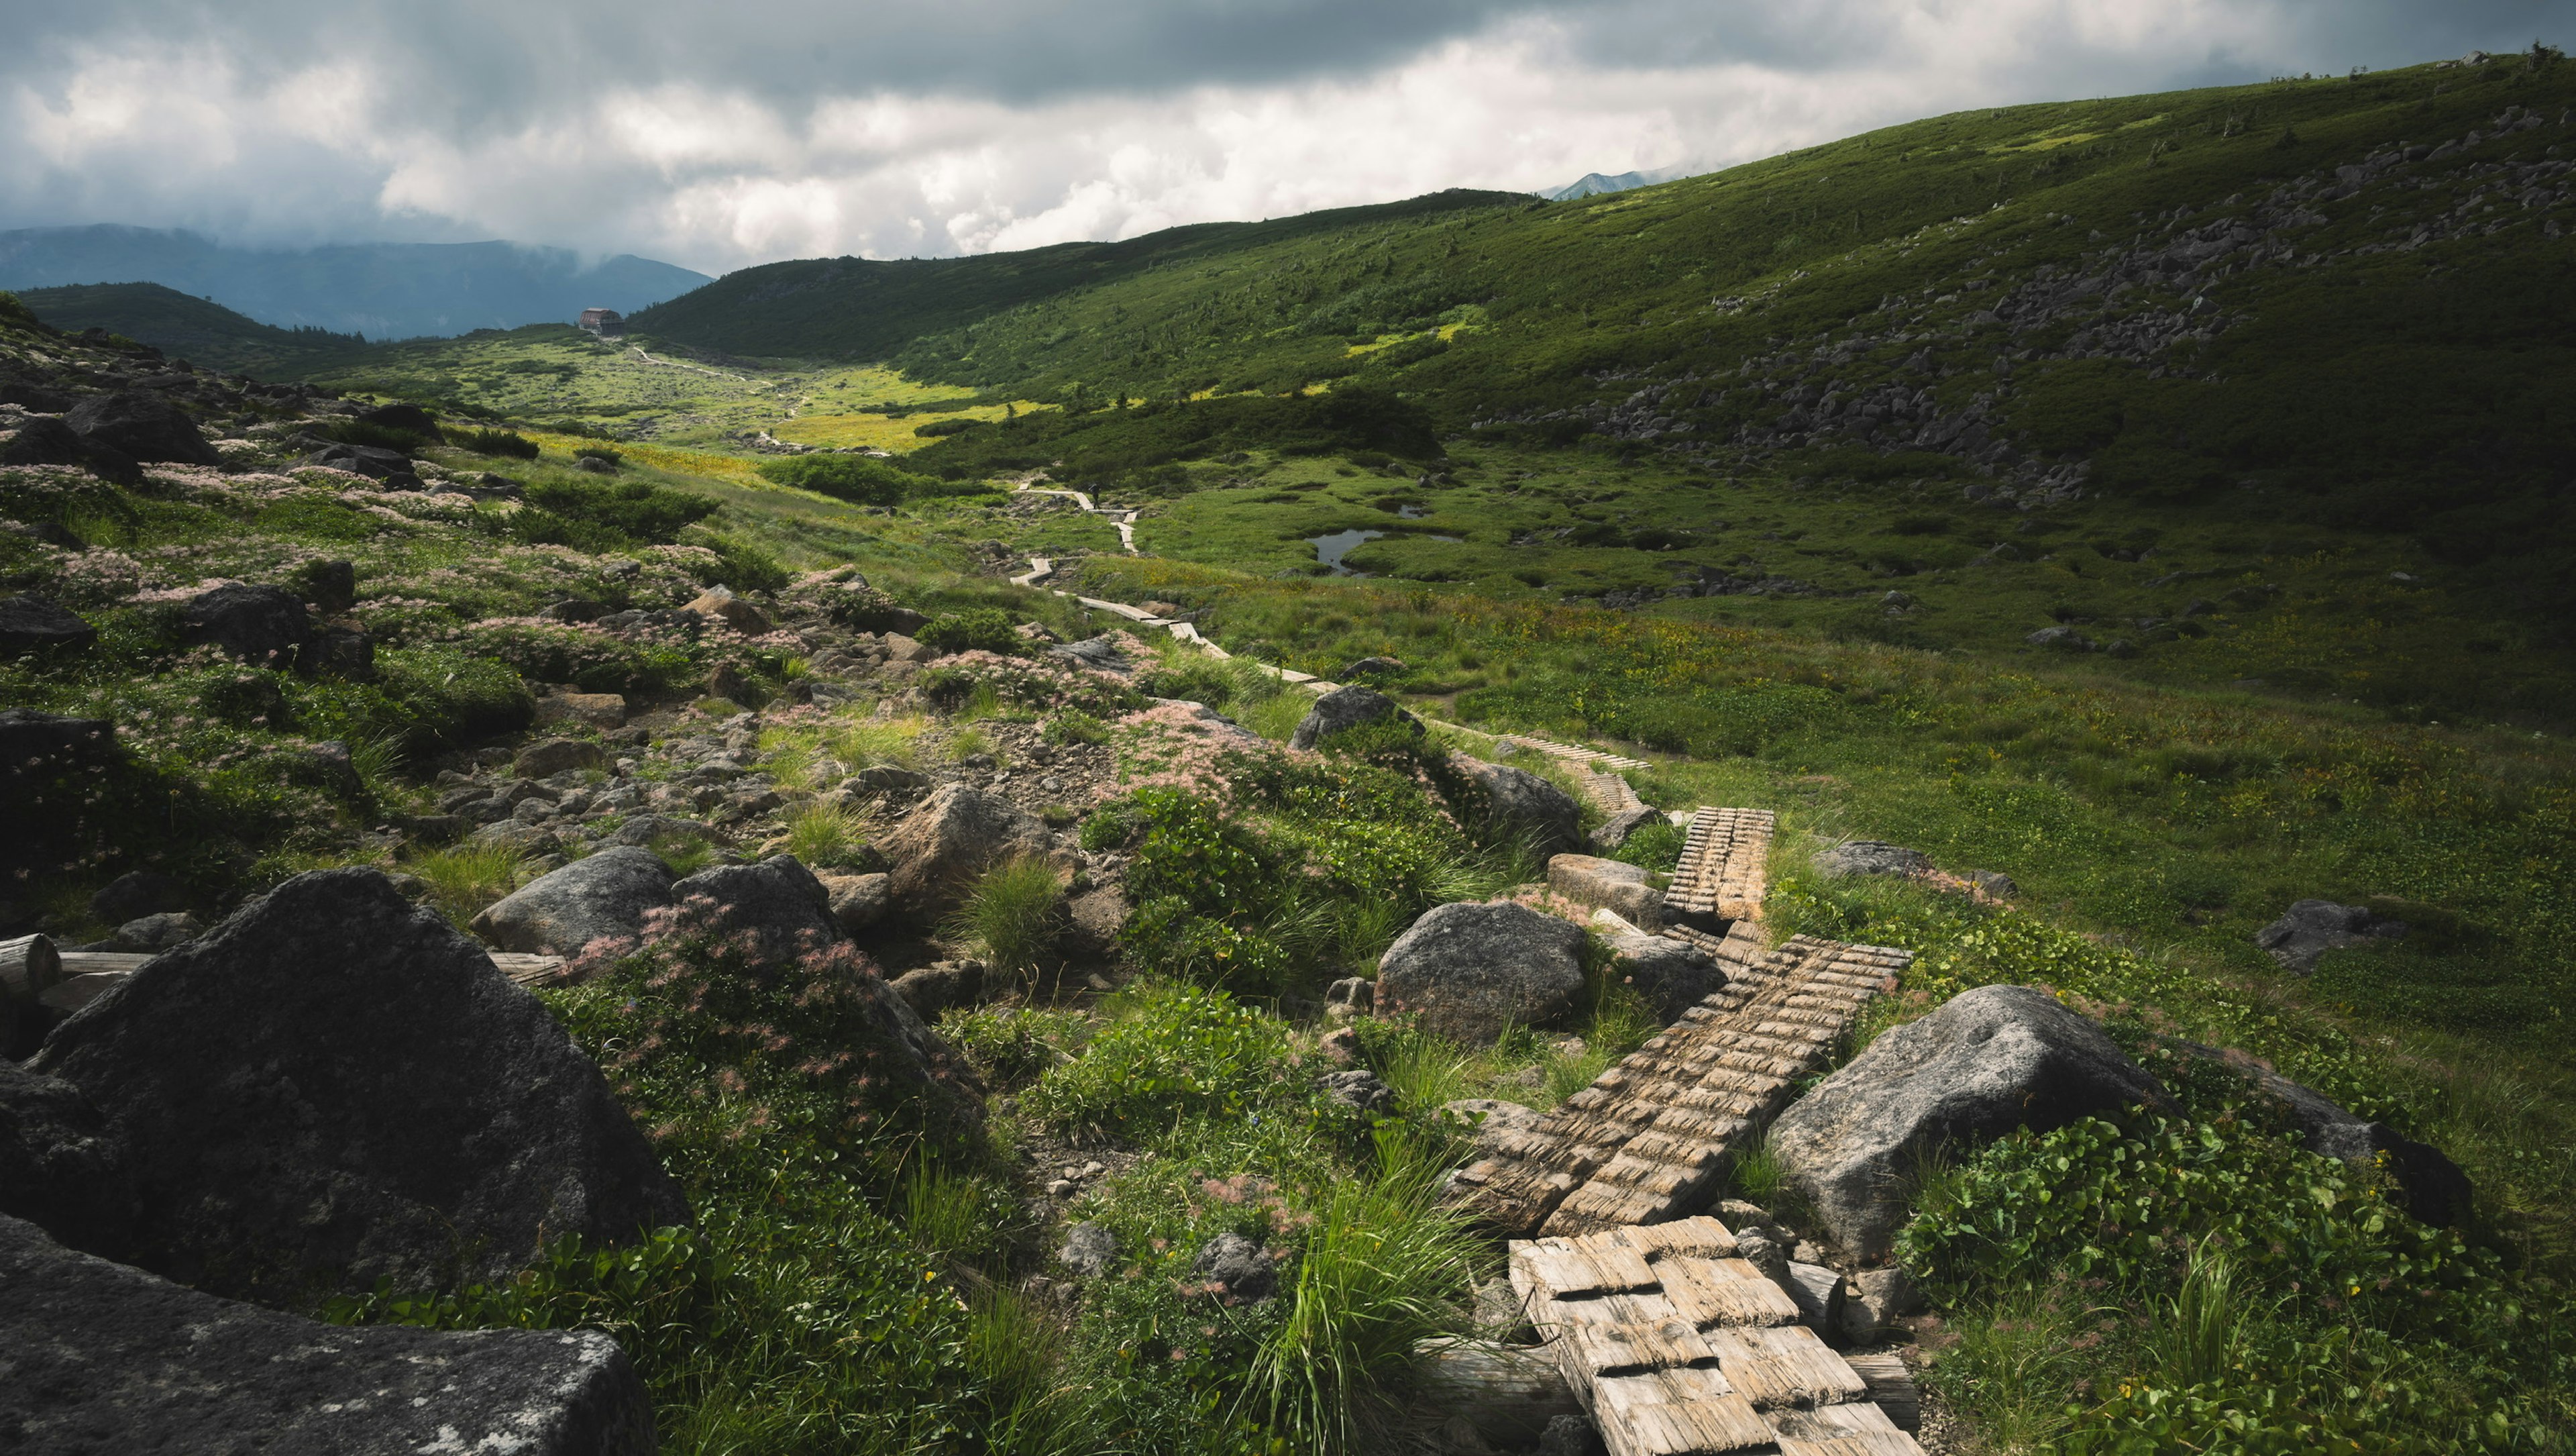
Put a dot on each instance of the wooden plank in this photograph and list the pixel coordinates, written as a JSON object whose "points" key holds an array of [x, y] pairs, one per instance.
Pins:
{"points": [[530, 970], [1858, 1429], [1695, 1428], [1891, 1387], [1626, 1349], [1784, 1365], [1508, 1393], [100, 963], [1725, 1294], [29, 966]]}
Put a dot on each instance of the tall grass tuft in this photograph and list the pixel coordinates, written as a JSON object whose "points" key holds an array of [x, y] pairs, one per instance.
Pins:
{"points": [[2199, 1334], [1384, 1269], [1013, 914], [465, 878], [875, 741], [825, 835]]}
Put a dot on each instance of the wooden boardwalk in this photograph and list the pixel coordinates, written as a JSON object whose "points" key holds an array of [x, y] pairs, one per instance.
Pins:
{"points": [[1649, 1140], [1724, 869], [1679, 1348]]}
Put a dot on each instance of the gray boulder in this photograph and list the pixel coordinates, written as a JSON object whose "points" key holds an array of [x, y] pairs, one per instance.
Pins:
{"points": [[935, 988], [1991, 1060], [1672, 975], [2310, 928], [1471, 971], [334, 1086], [1347, 708], [1359, 1090], [140, 424], [778, 900], [31, 623], [1872, 857], [138, 893], [1089, 1249], [105, 1358], [59, 1168], [550, 756], [1242, 1267], [2431, 1188], [265, 625], [1621, 888], [2062, 639], [153, 934], [1619, 828], [605, 896], [859, 901], [1521, 805], [955, 835]]}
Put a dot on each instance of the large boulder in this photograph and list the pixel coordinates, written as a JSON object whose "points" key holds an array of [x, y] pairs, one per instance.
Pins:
{"points": [[956, 834], [1672, 975], [1872, 857], [141, 424], [258, 624], [547, 757], [1471, 971], [335, 1086], [1520, 805], [59, 1169], [137, 893], [605, 896], [1991, 1060], [1347, 708], [2310, 928], [1623, 889], [777, 900], [31, 623], [105, 1358]]}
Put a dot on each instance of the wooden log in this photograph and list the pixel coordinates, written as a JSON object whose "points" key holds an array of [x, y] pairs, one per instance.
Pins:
{"points": [[1508, 1393], [29, 966], [100, 963], [530, 970], [1891, 1385]]}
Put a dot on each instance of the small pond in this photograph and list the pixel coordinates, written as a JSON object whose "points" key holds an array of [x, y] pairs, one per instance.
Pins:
{"points": [[1331, 549]]}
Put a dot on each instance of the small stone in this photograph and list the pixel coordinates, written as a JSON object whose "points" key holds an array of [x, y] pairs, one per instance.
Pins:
{"points": [[1241, 1266], [1358, 1090], [1059, 1188], [1088, 1249]]}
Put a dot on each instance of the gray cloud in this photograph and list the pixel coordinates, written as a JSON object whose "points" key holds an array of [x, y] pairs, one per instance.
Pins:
{"points": [[719, 136]]}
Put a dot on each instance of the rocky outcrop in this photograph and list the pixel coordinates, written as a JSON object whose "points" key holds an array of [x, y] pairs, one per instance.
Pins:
{"points": [[1623, 889], [1518, 804], [1343, 709], [59, 1169], [142, 425], [778, 901], [1469, 972], [956, 834], [605, 896], [1989, 1061], [1671, 975], [34, 624], [105, 1358], [2310, 928], [335, 1086], [263, 625]]}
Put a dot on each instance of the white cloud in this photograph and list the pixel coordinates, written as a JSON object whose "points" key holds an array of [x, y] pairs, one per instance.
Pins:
{"points": [[358, 130]]}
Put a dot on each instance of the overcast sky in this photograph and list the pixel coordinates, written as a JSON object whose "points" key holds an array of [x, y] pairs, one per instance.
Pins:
{"points": [[718, 135]]}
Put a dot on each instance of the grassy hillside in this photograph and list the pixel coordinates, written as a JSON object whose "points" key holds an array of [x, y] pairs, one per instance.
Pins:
{"points": [[196, 329]]}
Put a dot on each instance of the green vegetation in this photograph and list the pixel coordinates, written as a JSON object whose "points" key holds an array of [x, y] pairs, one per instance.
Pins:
{"points": [[199, 330]]}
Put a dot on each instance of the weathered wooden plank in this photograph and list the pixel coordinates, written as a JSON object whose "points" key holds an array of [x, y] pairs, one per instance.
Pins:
{"points": [[1724, 1293], [1508, 1393], [1784, 1365], [1857, 1429], [1626, 1349], [1694, 1428], [1891, 1387], [29, 966]]}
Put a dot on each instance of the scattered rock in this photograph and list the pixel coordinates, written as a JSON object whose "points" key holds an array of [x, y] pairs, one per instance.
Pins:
{"points": [[1093, 921], [1672, 975], [1356, 992], [133, 895], [2310, 928], [59, 1167], [1766, 1254], [596, 710], [2063, 639], [257, 624], [404, 417], [1618, 829], [886, 778], [517, 836], [153, 934], [1089, 1249], [778, 900], [1872, 857], [858, 901], [335, 1086], [1491, 1115], [1884, 1297], [2431, 1187], [1373, 667], [51, 442], [1099, 653], [1358, 1090], [900, 648], [550, 756], [107, 1358], [1340, 1046], [1243, 1267], [1471, 971], [955, 835], [142, 425], [605, 896], [935, 988], [1607, 884], [342, 652], [1996, 883], [1989, 1061], [1570, 1436], [1521, 805], [1343, 709], [720, 602], [32, 624]]}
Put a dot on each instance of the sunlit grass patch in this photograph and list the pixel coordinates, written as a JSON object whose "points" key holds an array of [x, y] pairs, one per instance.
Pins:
{"points": [[465, 878]]}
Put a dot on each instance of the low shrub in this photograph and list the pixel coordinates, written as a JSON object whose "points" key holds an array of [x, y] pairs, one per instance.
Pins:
{"points": [[1182, 1051], [506, 443], [597, 516], [976, 629], [859, 479]]}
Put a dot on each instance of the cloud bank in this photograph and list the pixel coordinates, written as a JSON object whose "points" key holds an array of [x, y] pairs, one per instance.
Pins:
{"points": [[716, 137]]}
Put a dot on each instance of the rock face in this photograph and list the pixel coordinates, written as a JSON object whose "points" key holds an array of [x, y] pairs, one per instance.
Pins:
{"points": [[778, 900], [140, 424], [104, 1358], [1471, 971], [1872, 857], [1619, 828], [1672, 975], [1522, 805], [31, 624], [1991, 1060], [1346, 708], [58, 1167], [955, 835], [2310, 928], [258, 624], [334, 1085], [1622, 889], [606, 895]]}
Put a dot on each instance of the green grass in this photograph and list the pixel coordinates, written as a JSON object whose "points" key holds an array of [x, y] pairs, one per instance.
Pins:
{"points": [[1012, 914]]}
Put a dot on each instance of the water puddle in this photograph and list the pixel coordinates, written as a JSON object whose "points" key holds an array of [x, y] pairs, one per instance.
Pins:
{"points": [[1331, 549]]}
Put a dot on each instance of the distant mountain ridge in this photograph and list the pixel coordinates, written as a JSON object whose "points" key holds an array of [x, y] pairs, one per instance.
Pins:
{"points": [[381, 290], [1593, 184]]}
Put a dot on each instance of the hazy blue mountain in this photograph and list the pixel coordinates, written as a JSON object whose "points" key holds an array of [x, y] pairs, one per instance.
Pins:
{"points": [[1594, 184], [382, 290]]}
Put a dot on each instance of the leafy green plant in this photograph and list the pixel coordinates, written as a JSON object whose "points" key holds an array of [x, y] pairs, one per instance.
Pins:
{"points": [[1074, 726], [985, 629], [1179, 1050]]}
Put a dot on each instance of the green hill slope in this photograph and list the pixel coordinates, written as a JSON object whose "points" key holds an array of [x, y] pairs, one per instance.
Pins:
{"points": [[196, 329]]}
